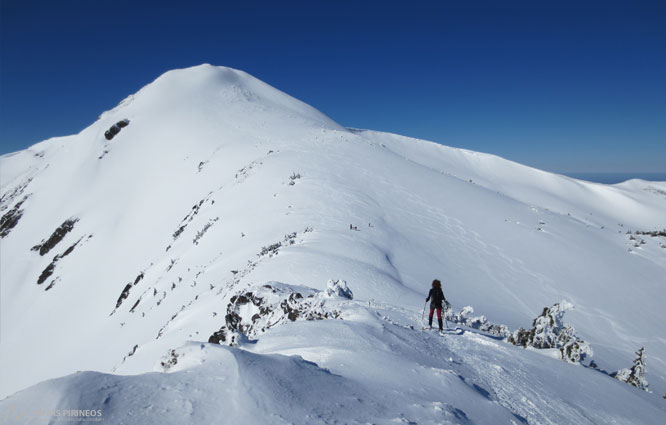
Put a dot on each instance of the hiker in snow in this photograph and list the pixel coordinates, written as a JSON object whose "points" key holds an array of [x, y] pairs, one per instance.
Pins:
{"points": [[437, 297]]}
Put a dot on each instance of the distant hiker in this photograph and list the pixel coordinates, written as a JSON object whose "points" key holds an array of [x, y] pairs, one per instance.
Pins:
{"points": [[437, 297], [351, 227]]}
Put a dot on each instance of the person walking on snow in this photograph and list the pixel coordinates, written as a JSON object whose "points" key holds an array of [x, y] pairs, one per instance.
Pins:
{"points": [[437, 297]]}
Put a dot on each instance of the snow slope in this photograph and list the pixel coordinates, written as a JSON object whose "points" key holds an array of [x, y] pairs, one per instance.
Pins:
{"points": [[171, 216], [433, 380]]}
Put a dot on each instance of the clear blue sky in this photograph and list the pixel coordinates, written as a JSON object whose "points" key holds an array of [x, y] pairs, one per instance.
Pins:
{"points": [[564, 86]]}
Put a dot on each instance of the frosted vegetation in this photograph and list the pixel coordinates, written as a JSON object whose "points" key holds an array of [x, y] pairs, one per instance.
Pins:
{"points": [[214, 251]]}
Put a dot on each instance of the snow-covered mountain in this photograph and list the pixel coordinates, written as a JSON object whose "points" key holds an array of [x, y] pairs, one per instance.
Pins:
{"points": [[210, 198]]}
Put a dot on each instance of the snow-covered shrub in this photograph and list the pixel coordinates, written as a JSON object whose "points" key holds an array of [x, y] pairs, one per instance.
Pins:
{"points": [[274, 249], [653, 233], [636, 375], [480, 322], [572, 348], [549, 331], [203, 231], [270, 250], [338, 288]]}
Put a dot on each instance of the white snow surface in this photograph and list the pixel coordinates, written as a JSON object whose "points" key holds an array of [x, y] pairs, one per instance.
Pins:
{"points": [[214, 168]]}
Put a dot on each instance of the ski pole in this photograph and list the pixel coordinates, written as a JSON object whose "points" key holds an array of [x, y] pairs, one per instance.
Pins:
{"points": [[423, 315]]}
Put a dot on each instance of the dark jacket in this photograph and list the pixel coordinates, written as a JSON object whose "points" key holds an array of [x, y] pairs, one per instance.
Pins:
{"points": [[437, 297]]}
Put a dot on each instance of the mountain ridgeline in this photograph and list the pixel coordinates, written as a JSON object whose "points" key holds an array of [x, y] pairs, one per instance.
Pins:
{"points": [[211, 227]]}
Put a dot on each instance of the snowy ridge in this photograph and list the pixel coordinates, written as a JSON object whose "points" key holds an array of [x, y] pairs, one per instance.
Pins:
{"points": [[220, 185], [460, 379]]}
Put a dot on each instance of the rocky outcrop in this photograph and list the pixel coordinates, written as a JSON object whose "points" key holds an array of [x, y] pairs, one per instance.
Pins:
{"points": [[58, 235], [11, 218], [253, 312], [48, 271], [126, 291], [115, 129]]}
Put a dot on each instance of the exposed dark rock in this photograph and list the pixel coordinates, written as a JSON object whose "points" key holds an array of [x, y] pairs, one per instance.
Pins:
{"points": [[189, 217], [57, 236], [11, 218], [291, 313], [233, 320], [135, 305], [48, 271], [178, 231], [9, 196], [218, 337], [115, 129], [653, 233], [170, 361], [125, 293], [131, 353], [253, 312]]}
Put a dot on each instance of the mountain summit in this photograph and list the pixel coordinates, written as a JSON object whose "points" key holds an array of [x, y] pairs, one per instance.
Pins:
{"points": [[273, 266]]}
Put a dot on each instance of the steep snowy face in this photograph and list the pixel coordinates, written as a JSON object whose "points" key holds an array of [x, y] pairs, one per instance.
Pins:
{"points": [[125, 241]]}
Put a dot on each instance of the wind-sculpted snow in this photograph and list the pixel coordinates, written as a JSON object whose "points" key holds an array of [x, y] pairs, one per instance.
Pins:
{"points": [[222, 184], [374, 366]]}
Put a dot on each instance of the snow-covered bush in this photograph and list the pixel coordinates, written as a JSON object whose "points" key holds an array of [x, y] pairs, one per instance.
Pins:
{"points": [[274, 249], [480, 322], [203, 231], [338, 288], [636, 375], [572, 348], [549, 331]]}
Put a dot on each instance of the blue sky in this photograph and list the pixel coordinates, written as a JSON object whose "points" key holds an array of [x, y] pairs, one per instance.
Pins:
{"points": [[563, 86]]}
